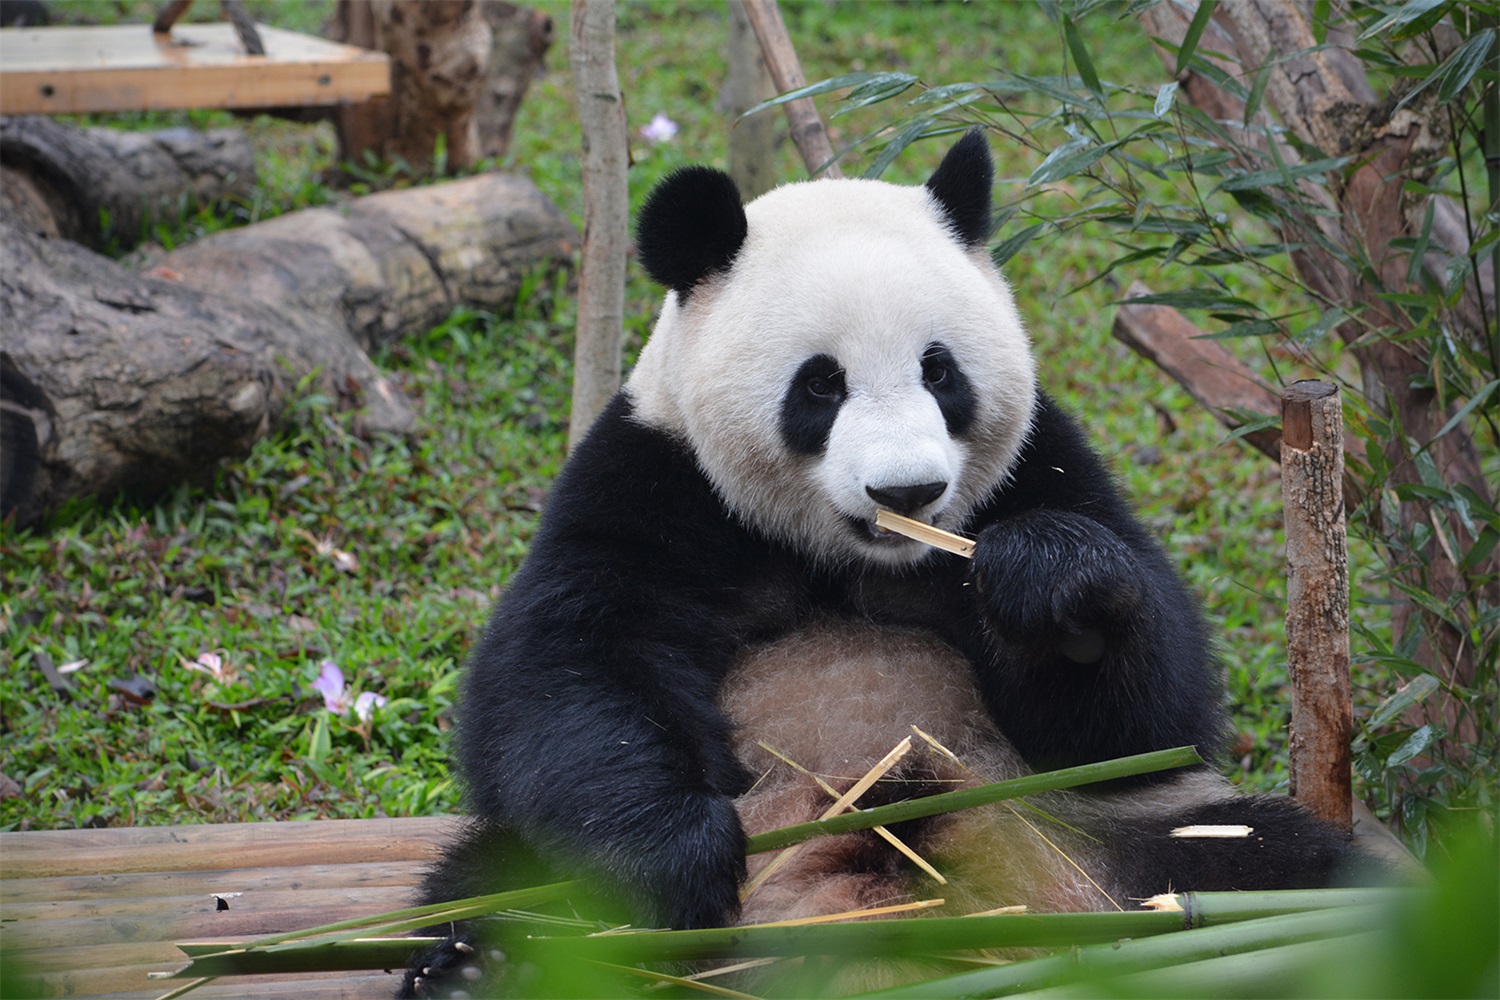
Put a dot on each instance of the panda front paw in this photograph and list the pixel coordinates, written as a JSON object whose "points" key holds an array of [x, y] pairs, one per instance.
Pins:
{"points": [[457, 968], [1059, 580], [695, 865]]}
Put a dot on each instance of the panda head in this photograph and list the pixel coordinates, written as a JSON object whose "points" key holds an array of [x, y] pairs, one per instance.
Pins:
{"points": [[835, 347]]}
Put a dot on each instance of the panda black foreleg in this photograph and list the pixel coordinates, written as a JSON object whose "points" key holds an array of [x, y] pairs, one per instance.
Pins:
{"points": [[1094, 649], [1287, 848]]}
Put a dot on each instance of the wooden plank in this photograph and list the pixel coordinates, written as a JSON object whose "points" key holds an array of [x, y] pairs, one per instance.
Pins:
{"points": [[108, 893], [92, 912], [42, 853], [82, 70]]}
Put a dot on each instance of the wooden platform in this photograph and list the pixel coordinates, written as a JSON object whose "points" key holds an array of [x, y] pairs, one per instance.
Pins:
{"points": [[91, 912], [83, 70]]}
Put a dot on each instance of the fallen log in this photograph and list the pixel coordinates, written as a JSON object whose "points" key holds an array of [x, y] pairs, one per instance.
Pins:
{"points": [[122, 380], [391, 263], [115, 381], [97, 186]]}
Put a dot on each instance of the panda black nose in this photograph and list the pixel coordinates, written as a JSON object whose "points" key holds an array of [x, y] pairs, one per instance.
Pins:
{"points": [[906, 499]]}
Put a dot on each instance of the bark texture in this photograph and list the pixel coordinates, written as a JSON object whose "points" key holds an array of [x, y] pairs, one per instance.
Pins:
{"points": [[459, 70], [606, 207], [1317, 600], [121, 380]]}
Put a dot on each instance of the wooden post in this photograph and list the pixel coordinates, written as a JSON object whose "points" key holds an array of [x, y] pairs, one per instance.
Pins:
{"points": [[1317, 599], [606, 208], [786, 72], [752, 142]]}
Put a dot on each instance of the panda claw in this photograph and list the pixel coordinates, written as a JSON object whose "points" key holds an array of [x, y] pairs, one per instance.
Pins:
{"points": [[463, 947]]}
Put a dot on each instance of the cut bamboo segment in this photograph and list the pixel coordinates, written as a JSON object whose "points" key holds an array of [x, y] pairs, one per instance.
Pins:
{"points": [[1213, 831], [926, 533]]}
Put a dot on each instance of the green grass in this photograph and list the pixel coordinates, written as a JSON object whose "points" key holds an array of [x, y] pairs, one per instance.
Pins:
{"points": [[243, 564]]}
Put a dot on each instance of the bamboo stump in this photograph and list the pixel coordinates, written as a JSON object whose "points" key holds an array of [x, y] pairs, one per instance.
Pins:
{"points": [[1317, 599]]}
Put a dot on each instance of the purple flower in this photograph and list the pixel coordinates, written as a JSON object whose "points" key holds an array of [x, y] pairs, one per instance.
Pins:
{"points": [[337, 697], [659, 129], [330, 684]]}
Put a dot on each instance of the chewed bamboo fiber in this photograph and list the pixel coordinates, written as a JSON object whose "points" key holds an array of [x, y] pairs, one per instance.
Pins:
{"points": [[926, 533]]}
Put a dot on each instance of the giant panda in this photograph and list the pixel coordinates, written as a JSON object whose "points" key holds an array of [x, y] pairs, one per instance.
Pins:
{"points": [[708, 581]]}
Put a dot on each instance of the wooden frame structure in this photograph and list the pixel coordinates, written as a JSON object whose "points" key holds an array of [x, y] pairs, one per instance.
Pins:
{"points": [[86, 70], [92, 912]]}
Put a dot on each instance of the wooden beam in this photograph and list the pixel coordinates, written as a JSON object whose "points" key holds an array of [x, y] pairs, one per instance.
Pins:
{"points": [[84, 70], [93, 912]]}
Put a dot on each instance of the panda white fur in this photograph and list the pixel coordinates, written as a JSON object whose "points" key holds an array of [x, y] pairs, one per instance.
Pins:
{"points": [[707, 577]]}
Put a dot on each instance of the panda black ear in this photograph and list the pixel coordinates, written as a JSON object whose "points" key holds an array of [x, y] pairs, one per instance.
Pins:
{"points": [[692, 225], [961, 184]]}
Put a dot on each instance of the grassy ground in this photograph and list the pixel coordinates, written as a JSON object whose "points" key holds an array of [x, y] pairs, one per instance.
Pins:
{"points": [[382, 556]]}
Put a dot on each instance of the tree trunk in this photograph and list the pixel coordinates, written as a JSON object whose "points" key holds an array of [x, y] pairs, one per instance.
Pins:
{"points": [[518, 53], [752, 142], [100, 185], [1323, 98], [606, 208], [459, 69], [114, 379]]}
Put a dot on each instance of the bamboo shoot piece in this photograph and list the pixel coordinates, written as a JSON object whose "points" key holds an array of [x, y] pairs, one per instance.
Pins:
{"points": [[936, 537]]}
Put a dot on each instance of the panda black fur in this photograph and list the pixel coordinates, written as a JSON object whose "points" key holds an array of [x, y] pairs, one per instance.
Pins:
{"points": [[707, 574]]}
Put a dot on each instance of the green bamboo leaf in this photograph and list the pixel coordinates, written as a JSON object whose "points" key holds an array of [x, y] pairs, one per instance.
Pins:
{"points": [[1463, 64], [1413, 691], [882, 87], [1408, 20], [1070, 159], [1475, 400], [1165, 97], [1254, 180], [1457, 70], [1195, 30], [814, 89], [1198, 298], [1257, 91], [915, 129], [1322, 9], [1245, 328], [1415, 744], [1081, 58], [1011, 246]]}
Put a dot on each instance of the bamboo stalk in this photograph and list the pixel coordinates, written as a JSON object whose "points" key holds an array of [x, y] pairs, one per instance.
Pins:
{"points": [[844, 802], [833, 793], [1092, 962], [923, 532], [965, 798]]}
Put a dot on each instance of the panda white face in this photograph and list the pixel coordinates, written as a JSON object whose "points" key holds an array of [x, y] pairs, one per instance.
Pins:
{"points": [[854, 353]]}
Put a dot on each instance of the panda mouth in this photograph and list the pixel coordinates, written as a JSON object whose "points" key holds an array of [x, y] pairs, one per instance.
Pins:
{"points": [[867, 531]]}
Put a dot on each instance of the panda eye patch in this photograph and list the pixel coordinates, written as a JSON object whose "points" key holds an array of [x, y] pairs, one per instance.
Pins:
{"points": [[945, 379], [811, 403]]}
